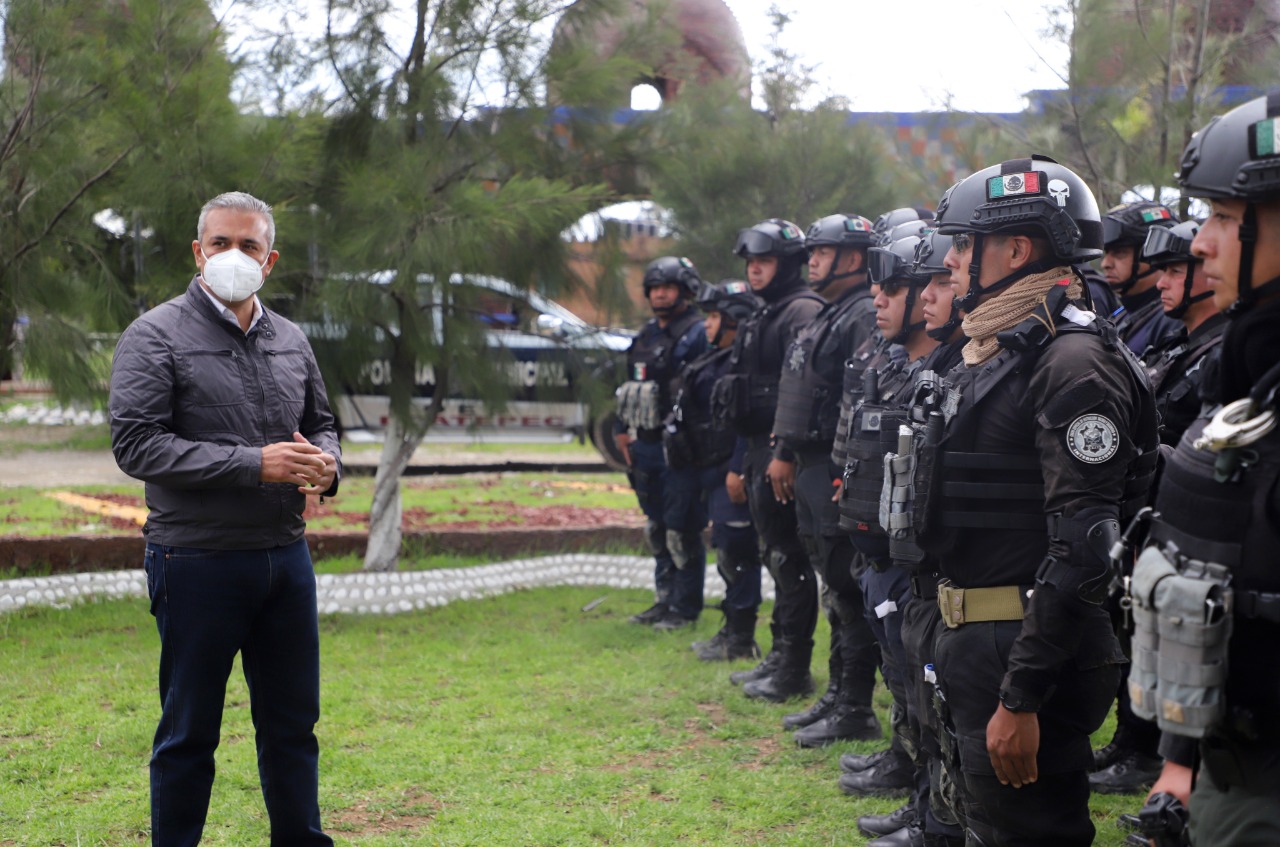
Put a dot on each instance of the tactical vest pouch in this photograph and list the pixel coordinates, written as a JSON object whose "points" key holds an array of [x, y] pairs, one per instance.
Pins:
{"points": [[710, 444], [911, 486], [798, 417], [906, 547], [875, 435], [762, 405], [730, 398], [677, 447], [639, 404], [1186, 615]]}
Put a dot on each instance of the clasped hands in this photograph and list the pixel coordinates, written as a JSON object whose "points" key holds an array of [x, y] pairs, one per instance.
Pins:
{"points": [[300, 462]]}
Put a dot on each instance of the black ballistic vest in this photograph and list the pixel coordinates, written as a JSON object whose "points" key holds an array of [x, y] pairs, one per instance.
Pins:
{"points": [[812, 372], [1234, 522]]}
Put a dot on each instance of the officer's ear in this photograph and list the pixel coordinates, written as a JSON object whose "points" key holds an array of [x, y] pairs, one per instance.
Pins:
{"points": [[1023, 250], [856, 261]]}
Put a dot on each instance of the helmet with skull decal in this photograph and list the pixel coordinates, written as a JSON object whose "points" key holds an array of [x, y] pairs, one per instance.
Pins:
{"points": [[1034, 196]]}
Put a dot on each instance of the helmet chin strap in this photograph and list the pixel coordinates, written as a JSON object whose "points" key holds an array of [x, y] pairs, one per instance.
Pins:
{"points": [[1247, 292], [821, 285], [909, 329], [1127, 286], [1179, 311], [969, 301], [943, 333]]}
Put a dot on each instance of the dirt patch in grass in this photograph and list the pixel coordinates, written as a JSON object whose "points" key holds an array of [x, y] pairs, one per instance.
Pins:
{"points": [[361, 820], [767, 751]]}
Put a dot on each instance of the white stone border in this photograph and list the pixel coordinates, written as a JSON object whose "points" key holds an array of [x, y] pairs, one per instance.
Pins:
{"points": [[383, 593]]}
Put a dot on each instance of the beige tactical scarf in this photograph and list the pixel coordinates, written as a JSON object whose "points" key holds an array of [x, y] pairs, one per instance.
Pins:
{"points": [[1008, 309]]}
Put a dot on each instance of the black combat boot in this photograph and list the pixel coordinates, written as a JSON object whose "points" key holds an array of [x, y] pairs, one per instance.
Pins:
{"points": [[819, 710], [851, 718], [845, 722], [767, 665], [1111, 752], [911, 835], [855, 762], [1132, 773], [735, 640], [824, 704], [791, 678], [894, 776], [874, 825], [651, 615]]}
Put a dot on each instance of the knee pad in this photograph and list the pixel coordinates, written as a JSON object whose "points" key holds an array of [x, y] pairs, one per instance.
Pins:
{"points": [[655, 535], [786, 567], [683, 546]]}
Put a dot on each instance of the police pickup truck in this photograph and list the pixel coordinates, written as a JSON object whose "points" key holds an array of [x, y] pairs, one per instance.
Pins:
{"points": [[561, 371]]}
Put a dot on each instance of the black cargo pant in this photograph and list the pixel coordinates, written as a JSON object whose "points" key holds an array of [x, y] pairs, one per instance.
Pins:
{"points": [[795, 607], [854, 651], [1053, 811]]}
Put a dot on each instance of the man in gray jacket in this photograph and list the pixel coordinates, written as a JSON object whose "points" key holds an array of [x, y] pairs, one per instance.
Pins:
{"points": [[217, 404]]}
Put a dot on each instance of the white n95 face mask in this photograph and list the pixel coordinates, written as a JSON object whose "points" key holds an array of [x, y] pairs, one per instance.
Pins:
{"points": [[232, 275]]}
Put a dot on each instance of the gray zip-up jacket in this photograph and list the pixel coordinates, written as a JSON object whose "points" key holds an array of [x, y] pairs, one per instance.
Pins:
{"points": [[193, 402]]}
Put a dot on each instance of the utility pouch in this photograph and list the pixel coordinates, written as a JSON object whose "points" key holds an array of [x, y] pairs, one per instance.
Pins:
{"points": [[874, 434], [910, 488], [898, 491], [762, 403], [1148, 571], [639, 404], [709, 445], [1191, 609], [677, 447], [729, 399]]}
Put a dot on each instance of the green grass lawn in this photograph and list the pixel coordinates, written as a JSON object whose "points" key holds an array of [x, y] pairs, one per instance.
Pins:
{"points": [[517, 720]]}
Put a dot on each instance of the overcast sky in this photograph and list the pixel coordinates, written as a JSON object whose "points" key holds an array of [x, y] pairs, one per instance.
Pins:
{"points": [[883, 55], [912, 55]]}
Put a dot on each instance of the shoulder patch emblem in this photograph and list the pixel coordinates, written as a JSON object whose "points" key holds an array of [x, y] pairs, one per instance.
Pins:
{"points": [[1093, 439], [796, 361]]}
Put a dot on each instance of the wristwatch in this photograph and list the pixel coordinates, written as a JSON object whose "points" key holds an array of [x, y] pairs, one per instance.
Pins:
{"points": [[1015, 701]]}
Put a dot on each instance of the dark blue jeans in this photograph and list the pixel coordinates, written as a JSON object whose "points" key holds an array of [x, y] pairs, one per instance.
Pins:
{"points": [[648, 477], [210, 605], [684, 512]]}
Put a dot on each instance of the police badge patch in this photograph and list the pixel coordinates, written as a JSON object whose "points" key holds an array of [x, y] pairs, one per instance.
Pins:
{"points": [[796, 361], [1093, 439]]}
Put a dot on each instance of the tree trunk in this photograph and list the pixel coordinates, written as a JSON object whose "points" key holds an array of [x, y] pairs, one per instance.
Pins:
{"points": [[383, 550]]}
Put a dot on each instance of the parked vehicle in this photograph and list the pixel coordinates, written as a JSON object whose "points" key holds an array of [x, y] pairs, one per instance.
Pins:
{"points": [[562, 373]]}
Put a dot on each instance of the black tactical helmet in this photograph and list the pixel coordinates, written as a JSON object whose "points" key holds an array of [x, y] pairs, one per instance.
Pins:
{"points": [[774, 237], [783, 240], [902, 230], [672, 270], [840, 231], [1172, 246], [893, 267], [896, 262], [1237, 156], [930, 251], [1035, 196], [892, 218], [732, 298], [1027, 196], [1127, 225], [843, 232]]}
